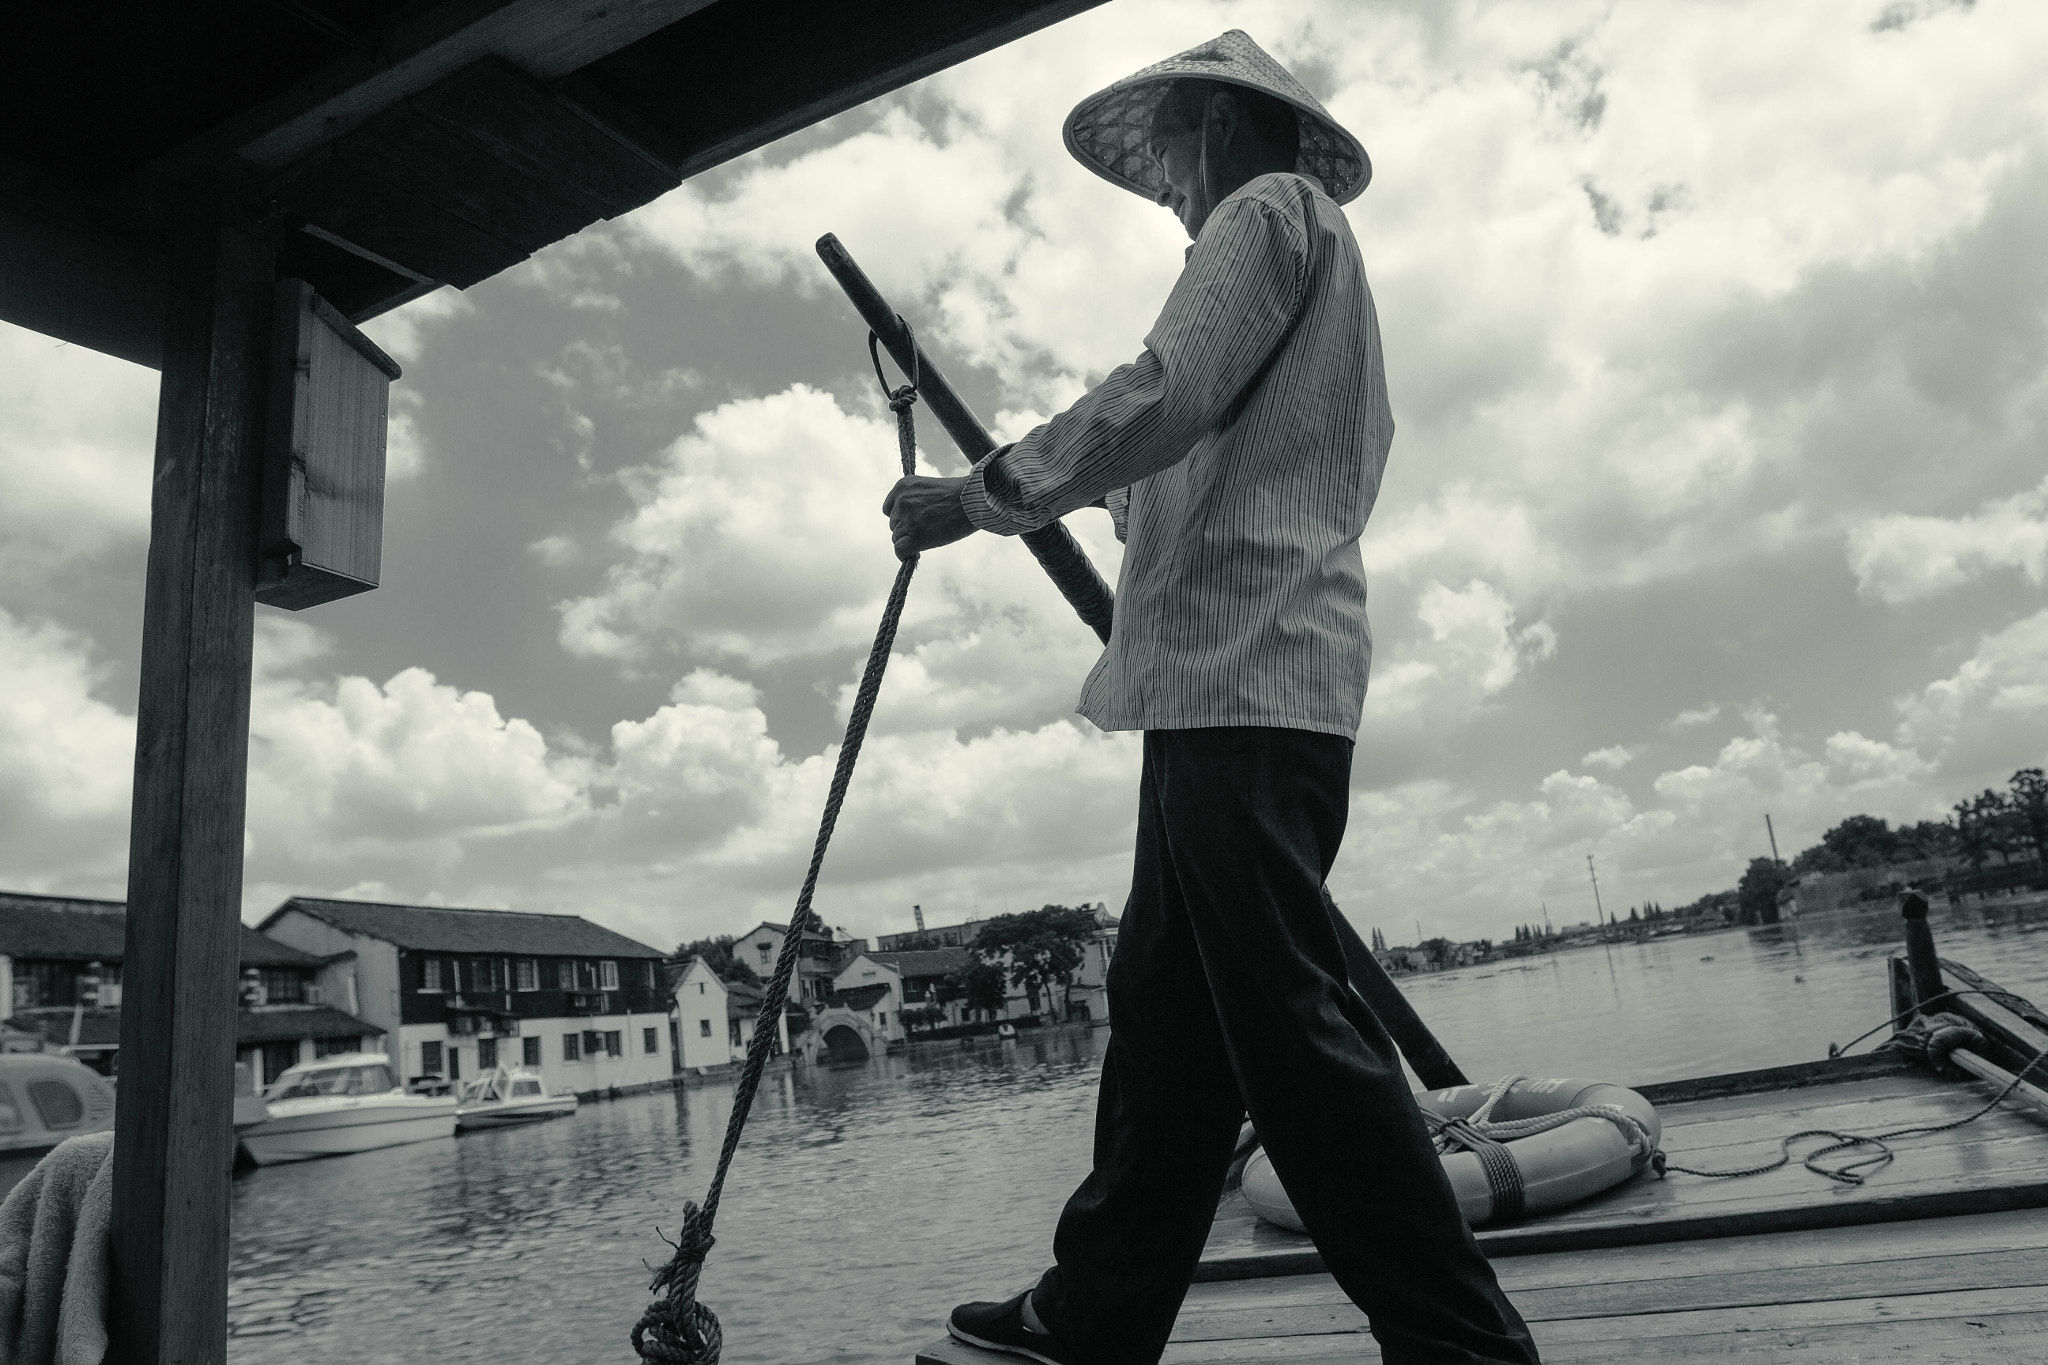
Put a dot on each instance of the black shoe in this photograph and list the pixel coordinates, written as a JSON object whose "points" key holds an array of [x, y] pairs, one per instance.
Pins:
{"points": [[1000, 1327]]}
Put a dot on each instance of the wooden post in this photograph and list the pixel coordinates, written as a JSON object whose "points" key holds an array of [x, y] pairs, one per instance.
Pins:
{"points": [[1920, 955], [174, 1137]]}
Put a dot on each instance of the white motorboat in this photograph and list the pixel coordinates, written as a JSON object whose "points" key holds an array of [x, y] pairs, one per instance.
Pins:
{"points": [[505, 1096], [45, 1098], [351, 1102]]}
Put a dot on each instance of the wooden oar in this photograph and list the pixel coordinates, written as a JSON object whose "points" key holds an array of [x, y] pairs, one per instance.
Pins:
{"points": [[1055, 548]]}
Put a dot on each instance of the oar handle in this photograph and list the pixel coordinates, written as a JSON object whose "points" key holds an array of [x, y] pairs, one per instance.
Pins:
{"points": [[1056, 550]]}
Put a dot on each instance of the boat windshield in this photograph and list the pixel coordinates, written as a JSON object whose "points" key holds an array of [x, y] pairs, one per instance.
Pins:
{"points": [[479, 1091], [525, 1088], [333, 1080]]}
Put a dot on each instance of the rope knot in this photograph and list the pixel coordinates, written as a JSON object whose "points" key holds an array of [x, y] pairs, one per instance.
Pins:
{"points": [[676, 1329], [901, 399]]}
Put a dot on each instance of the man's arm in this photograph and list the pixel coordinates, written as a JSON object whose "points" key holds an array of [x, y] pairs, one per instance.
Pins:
{"points": [[1232, 305]]}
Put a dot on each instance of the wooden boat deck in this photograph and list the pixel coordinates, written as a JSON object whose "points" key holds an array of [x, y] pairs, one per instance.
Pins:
{"points": [[1941, 1256]]}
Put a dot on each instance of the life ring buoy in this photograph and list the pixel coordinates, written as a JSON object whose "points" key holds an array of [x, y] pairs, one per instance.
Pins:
{"points": [[1530, 1174]]}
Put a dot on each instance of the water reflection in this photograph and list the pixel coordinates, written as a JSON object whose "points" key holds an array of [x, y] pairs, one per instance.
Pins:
{"points": [[867, 1200]]}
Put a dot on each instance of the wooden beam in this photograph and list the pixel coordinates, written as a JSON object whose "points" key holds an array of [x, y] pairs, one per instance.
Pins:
{"points": [[547, 38], [174, 1140], [738, 76], [68, 280]]}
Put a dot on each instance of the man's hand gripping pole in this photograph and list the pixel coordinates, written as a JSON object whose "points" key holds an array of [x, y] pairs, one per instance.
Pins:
{"points": [[1054, 547]]}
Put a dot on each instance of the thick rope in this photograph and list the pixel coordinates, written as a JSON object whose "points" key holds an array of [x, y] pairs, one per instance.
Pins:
{"points": [[676, 1329], [1453, 1135], [1487, 1138], [1938, 1041]]}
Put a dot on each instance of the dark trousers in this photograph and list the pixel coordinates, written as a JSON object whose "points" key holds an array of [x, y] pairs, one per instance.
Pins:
{"points": [[1228, 995]]}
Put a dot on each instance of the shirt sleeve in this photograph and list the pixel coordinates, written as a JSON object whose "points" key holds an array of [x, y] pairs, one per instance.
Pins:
{"points": [[1232, 305]]}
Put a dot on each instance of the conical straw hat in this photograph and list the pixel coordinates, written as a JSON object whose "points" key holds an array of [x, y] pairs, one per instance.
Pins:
{"points": [[1108, 131]]}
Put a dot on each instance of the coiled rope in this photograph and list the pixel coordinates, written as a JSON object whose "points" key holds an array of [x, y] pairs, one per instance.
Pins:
{"points": [[676, 1329], [1932, 1041]]}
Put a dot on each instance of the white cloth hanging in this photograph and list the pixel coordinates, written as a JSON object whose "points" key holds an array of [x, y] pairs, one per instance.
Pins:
{"points": [[56, 1257]]}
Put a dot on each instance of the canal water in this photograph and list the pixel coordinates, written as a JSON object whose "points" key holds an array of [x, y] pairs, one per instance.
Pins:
{"points": [[867, 1200]]}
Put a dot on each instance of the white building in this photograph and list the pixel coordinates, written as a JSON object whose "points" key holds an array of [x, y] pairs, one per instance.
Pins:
{"points": [[458, 991], [867, 986], [714, 1020], [816, 965]]}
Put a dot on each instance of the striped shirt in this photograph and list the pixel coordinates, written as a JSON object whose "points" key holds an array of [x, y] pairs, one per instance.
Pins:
{"points": [[1240, 454]]}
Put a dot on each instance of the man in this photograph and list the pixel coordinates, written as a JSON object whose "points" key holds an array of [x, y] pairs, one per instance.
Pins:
{"points": [[1239, 454]]}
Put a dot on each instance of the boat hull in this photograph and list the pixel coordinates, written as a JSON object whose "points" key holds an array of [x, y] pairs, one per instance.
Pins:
{"points": [[302, 1137], [515, 1112]]}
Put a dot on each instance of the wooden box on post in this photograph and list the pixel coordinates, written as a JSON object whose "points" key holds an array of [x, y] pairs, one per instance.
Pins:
{"points": [[323, 458]]}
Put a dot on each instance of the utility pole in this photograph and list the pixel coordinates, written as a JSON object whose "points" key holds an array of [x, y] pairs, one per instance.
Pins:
{"points": [[1547, 930], [1774, 838], [1599, 913], [1418, 931]]}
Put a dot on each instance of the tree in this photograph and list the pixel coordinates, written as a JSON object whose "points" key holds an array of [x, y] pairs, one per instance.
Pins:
{"points": [[2029, 803], [1757, 895], [922, 1015], [1045, 947], [979, 985], [718, 956], [1971, 835]]}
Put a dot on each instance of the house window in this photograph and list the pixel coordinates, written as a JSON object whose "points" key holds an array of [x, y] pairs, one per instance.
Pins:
{"points": [[430, 1059], [649, 1043], [700, 988], [648, 975], [486, 974], [430, 976], [613, 1045], [593, 1042], [882, 1020], [526, 975], [732, 1032], [329, 1047], [454, 1062], [529, 1051], [565, 976], [764, 950], [608, 976], [570, 1050], [486, 1053], [283, 986], [704, 1028]]}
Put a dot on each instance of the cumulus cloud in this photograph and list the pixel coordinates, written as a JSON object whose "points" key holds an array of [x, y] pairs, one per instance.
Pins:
{"points": [[1674, 296], [1991, 715], [1475, 649], [1899, 558], [77, 439], [66, 762], [744, 542], [350, 773]]}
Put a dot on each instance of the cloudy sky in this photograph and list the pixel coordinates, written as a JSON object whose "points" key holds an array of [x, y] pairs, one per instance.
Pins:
{"points": [[1716, 336]]}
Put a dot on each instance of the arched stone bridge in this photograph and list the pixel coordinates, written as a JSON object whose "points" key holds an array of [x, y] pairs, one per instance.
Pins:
{"points": [[842, 1036]]}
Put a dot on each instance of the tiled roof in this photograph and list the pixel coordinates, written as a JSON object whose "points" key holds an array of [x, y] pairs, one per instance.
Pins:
{"points": [[75, 929], [276, 1026], [451, 929], [96, 1028], [102, 1028], [859, 997], [922, 962]]}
